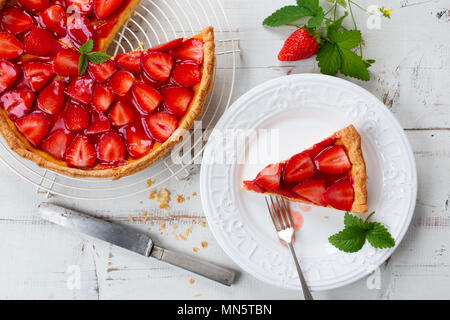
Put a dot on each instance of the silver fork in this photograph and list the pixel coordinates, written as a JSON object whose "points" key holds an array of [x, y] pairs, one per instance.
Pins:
{"points": [[281, 218]]}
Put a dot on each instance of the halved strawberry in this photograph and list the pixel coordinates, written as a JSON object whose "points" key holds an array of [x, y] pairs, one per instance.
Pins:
{"points": [[10, 47], [34, 5], [41, 42], [143, 77], [54, 19], [340, 195], [58, 123], [81, 153], [77, 117], [80, 29], [298, 168], [104, 8], [190, 50], [129, 61], [318, 147], [57, 143], [269, 178], [66, 63], [145, 98], [102, 98], [166, 47], [161, 125], [99, 124], [157, 65], [137, 141], [17, 103], [121, 82], [333, 160], [177, 100], [37, 74], [8, 74], [16, 20], [186, 74], [80, 90], [102, 71], [81, 6], [311, 190], [253, 186], [34, 126], [110, 148], [121, 113], [51, 99]]}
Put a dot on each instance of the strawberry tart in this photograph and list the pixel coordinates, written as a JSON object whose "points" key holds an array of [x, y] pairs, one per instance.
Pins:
{"points": [[332, 174], [114, 119]]}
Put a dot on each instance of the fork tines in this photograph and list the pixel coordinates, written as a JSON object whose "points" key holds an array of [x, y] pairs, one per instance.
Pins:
{"points": [[279, 213]]}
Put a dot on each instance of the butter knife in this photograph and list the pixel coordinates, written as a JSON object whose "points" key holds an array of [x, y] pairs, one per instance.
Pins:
{"points": [[132, 240]]}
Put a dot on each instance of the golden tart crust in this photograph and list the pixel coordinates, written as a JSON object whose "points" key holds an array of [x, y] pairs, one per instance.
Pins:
{"points": [[21, 146]]}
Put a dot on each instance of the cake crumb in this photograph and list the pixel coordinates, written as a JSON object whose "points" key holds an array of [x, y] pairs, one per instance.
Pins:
{"points": [[202, 223], [163, 198], [180, 199], [152, 194], [182, 237], [188, 198], [195, 249], [150, 182], [130, 218], [204, 244], [141, 202], [194, 194], [148, 276], [197, 295], [325, 217], [191, 281]]}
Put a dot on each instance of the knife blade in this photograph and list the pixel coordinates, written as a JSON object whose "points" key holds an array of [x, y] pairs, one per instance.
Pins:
{"points": [[132, 240]]}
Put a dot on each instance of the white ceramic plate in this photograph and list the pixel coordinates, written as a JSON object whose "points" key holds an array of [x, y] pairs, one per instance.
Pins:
{"points": [[303, 109]]}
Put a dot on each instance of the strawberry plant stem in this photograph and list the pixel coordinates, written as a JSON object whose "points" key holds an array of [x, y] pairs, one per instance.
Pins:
{"points": [[354, 23]]}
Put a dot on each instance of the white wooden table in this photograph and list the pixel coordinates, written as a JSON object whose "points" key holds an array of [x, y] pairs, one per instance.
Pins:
{"points": [[411, 76]]}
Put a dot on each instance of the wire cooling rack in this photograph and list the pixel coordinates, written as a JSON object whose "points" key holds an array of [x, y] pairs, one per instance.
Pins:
{"points": [[153, 22]]}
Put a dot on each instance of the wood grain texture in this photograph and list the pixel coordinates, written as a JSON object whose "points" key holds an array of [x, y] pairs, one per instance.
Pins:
{"points": [[411, 76]]}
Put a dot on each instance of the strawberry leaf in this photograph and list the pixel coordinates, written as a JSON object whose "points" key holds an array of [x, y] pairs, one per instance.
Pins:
{"points": [[329, 58], [351, 239], [312, 5], [353, 65], [286, 15], [379, 237], [347, 39], [316, 20]]}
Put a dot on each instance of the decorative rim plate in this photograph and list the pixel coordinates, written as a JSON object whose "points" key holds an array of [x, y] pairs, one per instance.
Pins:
{"points": [[297, 111]]}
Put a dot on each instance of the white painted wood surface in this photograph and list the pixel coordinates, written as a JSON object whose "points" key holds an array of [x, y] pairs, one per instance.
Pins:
{"points": [[411, 76]]}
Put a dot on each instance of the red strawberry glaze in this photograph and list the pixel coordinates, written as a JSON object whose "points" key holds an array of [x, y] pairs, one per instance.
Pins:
{"points": [[116, 111], [319, 175]]}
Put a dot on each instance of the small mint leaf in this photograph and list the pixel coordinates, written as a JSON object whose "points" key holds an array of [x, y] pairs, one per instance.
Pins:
{"points": [[82, 64], [286, 15], [98, 57], [354, 221], [379, 237], [87, 46], [351, 239]]}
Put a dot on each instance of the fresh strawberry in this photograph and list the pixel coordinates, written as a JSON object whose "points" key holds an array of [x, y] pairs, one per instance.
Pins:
{"points": [[10, 47], [177, 100], [41, 42], [121, 82], [145, 98], [57, 143], [77, 117], [51, 99], [121, 113], [129, 61], [54, 19], [298, 168], [81, 153], [17, 103], [269, 178], [79, 29], [99, 124], [80, 90], [34, 126], [81, 6], [16, 20], [318, 147], [190, 50], [340, 195], [253, 186], [102, 71], [137, 141], [66, 63], [166, 47], [299, 45], [333, 160], [311, 190], [58, 123], [38, 74], [8, 75], [102, 98], [110, 148], [186, 74], [104, 8], [161, 125], [143, 77], [157, 65], [34, 5]]}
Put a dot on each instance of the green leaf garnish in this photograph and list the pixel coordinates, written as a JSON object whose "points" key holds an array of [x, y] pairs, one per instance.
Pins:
{"points": [[356, 231], [87, 56], [286, 15]]}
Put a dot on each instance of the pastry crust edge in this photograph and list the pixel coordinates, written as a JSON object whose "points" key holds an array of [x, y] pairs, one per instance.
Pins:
{"points": [[351, 140], [24, 149]]}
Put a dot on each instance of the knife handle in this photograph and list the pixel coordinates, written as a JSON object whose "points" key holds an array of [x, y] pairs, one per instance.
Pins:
{"points": [[203, 268]]}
